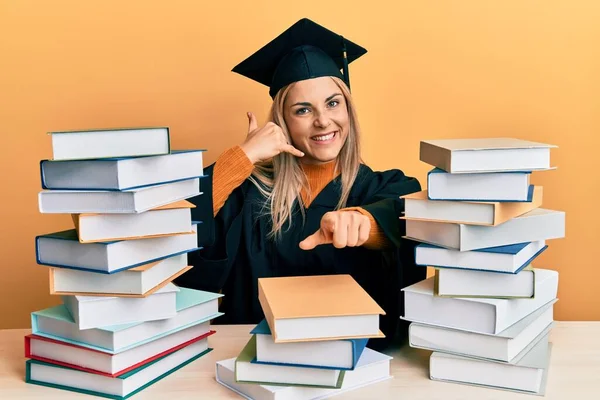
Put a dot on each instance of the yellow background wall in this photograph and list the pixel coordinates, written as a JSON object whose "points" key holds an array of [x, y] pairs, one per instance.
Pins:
{"points": [[435, 69]]}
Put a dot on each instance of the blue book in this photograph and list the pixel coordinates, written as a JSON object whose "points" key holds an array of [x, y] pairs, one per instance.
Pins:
{"points": [[63, 249], [330, 354], [509, 259], [122, 173], [120, 387], [481, 187], [194, 307]]}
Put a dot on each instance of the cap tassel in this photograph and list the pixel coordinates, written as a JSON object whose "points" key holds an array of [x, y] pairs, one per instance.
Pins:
{"points": [[345, 56]]}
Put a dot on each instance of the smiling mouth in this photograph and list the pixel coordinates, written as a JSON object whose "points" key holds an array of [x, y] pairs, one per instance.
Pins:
{"points": [[325, 138]]}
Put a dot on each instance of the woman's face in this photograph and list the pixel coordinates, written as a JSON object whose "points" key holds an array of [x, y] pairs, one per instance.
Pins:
{"points": [[317, 118]]}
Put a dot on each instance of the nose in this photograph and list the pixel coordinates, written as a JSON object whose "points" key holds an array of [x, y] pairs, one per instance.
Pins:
{"points": [[321, 121]]}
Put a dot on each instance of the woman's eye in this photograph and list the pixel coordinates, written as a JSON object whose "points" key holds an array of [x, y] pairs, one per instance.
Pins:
{"points": [[333, 103], [302, 111]]}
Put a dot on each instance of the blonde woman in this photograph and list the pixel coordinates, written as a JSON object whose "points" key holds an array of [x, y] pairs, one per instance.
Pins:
{"points": [[294, 198]]}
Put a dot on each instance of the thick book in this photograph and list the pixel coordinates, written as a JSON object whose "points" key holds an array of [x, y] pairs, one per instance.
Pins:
{"points": [[322, 307], [486, 155], [63, 249], [418, 207], [112, 365], [194, 307], [121, 173], [94, 311], [506, 259], [118, 388], [106, 143], [527, 375], [504, 346], [171, 219], [336, 354], [373, 367], [465, 283], [538, 224], [492, 186], [265, 374], [481, 315], [135, 282], [116, 202]]}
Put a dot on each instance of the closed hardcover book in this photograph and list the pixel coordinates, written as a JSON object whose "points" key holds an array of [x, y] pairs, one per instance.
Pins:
{"points": [[171, 219], [418, 207], [107, 143], [116, 202], [118, 388], [323, 307], [336, 354], [465, 283], [122, 173], [372, 367], [508, 259], [94, 312], [194, 307], [480, 315], [538, 224], [248, 372], [63, 249], [486, 155], [492, 186]]}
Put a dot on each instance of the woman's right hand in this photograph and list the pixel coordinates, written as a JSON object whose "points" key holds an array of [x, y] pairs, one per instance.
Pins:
{"points": [[264, 143]]}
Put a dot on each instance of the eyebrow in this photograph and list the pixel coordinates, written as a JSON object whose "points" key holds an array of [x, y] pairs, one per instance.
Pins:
{"points": [[307, 104]]}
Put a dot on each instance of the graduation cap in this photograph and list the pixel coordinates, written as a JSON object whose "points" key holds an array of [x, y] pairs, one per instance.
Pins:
{"points": [[303, 51]]}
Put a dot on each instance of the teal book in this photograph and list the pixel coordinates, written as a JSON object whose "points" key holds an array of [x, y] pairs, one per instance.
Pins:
{"points": [[193, 307], [121, 387]]}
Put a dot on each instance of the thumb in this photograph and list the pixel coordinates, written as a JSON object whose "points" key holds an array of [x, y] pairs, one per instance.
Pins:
{"points": [[314, 240], [252, 124]]}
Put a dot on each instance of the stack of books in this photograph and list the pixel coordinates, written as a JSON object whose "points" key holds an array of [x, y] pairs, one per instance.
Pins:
{"points": [[312, 342], [487, 312], [122, 324]]}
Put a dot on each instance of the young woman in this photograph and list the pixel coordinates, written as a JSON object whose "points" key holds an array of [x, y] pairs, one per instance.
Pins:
{"points": [[294, 198]]}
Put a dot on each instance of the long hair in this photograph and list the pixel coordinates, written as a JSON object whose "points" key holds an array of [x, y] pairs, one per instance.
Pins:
{"points": [[281, 179]]}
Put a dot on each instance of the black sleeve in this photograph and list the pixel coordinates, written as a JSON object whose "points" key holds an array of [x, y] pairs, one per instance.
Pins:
{"points": [[218, 236]]}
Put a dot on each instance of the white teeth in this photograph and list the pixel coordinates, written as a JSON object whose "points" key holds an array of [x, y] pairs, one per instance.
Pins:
{"points": [[324, 138]]}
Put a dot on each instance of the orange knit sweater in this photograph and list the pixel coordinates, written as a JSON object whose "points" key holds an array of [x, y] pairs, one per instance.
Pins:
{"points": [[233, 167]]}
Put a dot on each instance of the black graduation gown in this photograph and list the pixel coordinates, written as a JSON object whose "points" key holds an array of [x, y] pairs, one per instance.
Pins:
{"points": [[236, 251]]}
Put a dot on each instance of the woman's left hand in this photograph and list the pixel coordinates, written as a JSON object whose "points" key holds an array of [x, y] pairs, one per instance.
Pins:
{"points": [[342, 228]]}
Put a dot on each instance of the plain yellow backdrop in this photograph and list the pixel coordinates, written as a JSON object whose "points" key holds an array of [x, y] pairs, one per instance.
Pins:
{"points": [[434, 69]]}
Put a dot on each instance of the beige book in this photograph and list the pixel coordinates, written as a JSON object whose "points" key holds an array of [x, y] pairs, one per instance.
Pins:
{"points": [[323, 307], [419, 207]]}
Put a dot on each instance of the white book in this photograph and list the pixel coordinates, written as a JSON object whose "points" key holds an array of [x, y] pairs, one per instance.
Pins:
{"points": [[507, 259], [63, 249], [481, 315], [46, 374], [493, 186], [373, 367], [121, 173], [140, 281], [193, 307], [114, 364], [418, 206], [93, 311], [538, 224], [467, 283], [486, 155], [528, 375], [170, 219], [119, 202], [99, 143], [504, 346]]}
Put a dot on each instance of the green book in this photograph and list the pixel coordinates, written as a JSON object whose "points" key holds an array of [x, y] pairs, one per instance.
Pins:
{"points": [[248, 371], [121, 387]]}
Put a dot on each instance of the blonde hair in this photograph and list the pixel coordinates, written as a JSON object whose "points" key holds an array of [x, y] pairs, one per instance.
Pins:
{"points": [[280, 180]]}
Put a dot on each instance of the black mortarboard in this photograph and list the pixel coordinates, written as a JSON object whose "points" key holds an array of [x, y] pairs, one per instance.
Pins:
{"points": [[305, 50]]}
